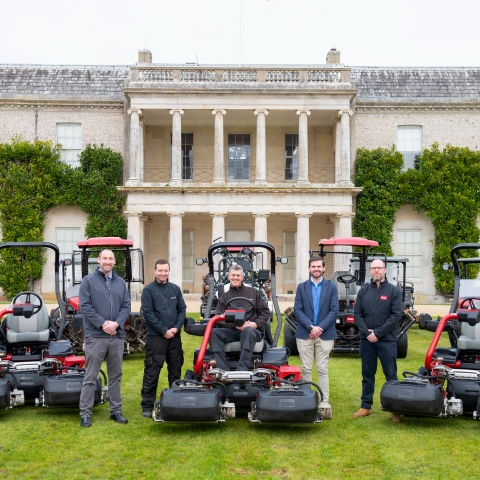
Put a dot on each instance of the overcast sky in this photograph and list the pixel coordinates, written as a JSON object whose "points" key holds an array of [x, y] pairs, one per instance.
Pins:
{"points": [[367, 32]]}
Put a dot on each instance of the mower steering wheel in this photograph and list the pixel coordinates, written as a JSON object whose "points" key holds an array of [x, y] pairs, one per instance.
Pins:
{"points": [[471, 304], [37, 306], [248, 311], [346, 279]]}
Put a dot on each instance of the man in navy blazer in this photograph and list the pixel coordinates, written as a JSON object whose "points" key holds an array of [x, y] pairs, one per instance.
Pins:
{"points": [[316, 310]]}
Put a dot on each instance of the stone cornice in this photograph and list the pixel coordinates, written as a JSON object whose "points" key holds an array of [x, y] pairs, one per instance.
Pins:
{"points": [[406, 107], [186, 189], [45, 102]]}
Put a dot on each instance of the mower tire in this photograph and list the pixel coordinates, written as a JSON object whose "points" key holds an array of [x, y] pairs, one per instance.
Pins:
{"points": [[289, 339], [402, 346]]}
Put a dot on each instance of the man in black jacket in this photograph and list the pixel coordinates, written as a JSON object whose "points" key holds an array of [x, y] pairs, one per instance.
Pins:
{"points": [[252, 331], [378, 309], [164, 312]]}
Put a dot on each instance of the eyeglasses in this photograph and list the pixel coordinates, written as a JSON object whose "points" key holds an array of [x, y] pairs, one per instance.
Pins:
{"points": [[377, 268]]}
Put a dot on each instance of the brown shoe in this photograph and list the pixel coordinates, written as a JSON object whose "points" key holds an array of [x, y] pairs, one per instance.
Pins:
{"points": [[363, 412], [396, 418]]}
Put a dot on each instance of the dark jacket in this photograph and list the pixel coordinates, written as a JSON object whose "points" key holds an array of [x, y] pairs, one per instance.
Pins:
{"points": [[303, 310], [163, 307], [379, 309], [98, 303], [261, 314]]}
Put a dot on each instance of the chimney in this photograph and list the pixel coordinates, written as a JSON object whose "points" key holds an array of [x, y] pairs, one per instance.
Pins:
{"points": [[144, 56], [333, 56]]}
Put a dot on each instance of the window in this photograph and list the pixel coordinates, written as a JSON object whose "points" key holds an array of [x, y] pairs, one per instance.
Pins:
{"points": [[238, 236], [69, 135], [409, 244], [239, 156], [187, 155], [290, 251], [409, 144], [66, 240], [291, 156], [187, 255]]}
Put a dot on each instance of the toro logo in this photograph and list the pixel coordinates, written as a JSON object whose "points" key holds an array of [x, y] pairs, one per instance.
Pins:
{"points": [[188, 401], [383, 297], [287, 403]]}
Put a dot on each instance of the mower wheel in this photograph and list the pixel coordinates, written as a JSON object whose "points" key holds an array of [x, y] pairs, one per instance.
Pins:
{"points": [[402, 346], [289, 339]]}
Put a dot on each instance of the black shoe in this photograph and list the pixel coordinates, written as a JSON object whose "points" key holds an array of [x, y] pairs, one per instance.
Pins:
{"points": [[118, 417], [147, 414], [86, 422]]}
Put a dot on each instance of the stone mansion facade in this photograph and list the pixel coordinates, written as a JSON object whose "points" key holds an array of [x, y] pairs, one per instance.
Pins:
{"points": [[251, 152]]}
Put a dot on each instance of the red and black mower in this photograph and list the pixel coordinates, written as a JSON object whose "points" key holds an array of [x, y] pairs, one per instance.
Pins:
{"points": [[35, 362], [449, 382], [129, 265], [272, 391], [347, 261]]}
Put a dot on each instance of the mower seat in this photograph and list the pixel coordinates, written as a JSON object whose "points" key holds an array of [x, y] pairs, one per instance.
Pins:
{"points": [[469, 337], [24, 330], [235, 347]]}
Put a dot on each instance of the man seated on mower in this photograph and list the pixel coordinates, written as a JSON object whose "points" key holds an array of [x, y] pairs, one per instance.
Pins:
{"points": [[252, 331]]}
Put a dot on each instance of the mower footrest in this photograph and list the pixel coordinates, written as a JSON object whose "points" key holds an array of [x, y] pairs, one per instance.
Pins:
{"points": [[412, 398], [287, 406]]}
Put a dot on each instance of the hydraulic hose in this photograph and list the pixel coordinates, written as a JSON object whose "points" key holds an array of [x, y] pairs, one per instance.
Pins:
{"points": [[432, 377], [303, 382]]}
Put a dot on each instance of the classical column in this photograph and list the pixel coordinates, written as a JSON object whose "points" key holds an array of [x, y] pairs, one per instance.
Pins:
{"points": [[261, 236], [176, 178], [342, 224], [218, 149], [344, 175], [175, 245], [261, 154], [218, 233], [338, 149], [303, 245], [303, 146], [135, 154]]}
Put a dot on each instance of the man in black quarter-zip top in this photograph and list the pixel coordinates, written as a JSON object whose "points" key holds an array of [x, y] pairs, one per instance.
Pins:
{"points": [[164, 312]]}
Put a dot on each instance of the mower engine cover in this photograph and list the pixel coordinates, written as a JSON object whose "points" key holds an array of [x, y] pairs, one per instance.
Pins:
{"points": [[287, 406], [4, 394], [181, 405], [64, 390], [412, 397]]}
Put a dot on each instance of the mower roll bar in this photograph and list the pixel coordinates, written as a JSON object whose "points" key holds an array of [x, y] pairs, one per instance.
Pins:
{"points": [[266, 246], [456, 268], [52, 246]]}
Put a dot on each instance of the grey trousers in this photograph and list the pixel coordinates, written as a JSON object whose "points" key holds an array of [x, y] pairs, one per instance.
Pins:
{"points": [[97, 350], [221, 336]]}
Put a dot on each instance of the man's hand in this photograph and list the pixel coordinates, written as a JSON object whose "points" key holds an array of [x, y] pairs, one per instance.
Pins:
{"points": [[372, 337], [315, 332], [110, 327], [248, 323], [170, 333]]}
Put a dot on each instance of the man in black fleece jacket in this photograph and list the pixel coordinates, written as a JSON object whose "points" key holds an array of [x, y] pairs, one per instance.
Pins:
{"points": [[164, 312], [378, 309], [253, 329]]}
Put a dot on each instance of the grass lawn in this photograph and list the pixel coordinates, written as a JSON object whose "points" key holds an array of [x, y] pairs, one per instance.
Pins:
{"points": [[40, 443]]}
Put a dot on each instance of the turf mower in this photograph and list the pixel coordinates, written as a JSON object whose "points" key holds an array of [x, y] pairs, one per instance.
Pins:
{"points": [[347, 263], [271, 391], [35, 362], [448, 384], [129, 265]]}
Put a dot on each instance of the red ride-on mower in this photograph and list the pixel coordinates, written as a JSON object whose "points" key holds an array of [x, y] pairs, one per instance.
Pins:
{"points": [[35, 363], [449, 382], [347, 263], [129, 265], [271, 390]]}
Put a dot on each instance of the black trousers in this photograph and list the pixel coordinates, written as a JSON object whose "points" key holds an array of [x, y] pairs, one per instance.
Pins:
{"points": [[159, 350]]}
